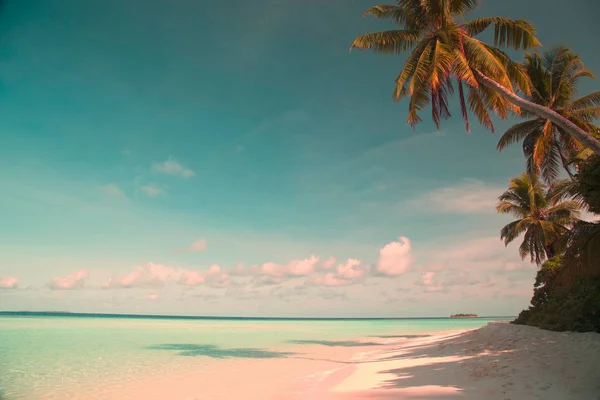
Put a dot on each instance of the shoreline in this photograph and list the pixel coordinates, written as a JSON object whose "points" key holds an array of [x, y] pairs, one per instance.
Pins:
{"points": [[497, 362]]}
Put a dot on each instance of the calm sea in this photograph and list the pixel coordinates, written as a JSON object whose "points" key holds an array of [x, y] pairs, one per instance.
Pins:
{"points": [[54, 357]]}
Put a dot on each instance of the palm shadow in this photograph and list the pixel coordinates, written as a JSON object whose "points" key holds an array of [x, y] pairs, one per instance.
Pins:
{"points": [[457, 366], [332, 343], [400, 336], [212, 351]]}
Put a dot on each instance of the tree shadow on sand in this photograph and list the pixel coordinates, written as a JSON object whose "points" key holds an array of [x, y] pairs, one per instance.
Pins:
{"points": [[331, 343], [471, 365], [212, 351], [400, 336]]}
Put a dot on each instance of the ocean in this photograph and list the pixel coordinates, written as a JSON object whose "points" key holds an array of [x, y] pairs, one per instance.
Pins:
{"points": [[65, 356]]}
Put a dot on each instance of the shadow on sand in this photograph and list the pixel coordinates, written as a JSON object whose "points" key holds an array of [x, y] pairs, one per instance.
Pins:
{"points": [[209, 350], [473, 365], [401, 336], [330, 343]]}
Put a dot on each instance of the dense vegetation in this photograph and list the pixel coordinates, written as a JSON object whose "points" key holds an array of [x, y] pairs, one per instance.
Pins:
{"points": [[559, 138]]}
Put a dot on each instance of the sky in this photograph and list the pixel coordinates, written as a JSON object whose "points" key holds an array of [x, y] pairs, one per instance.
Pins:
{"points": [[235, 159]]}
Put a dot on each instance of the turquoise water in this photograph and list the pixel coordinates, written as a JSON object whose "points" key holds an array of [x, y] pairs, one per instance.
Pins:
{"points": [[54, 357]]}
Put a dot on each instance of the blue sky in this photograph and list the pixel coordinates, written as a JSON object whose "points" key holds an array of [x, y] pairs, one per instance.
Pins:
{"points": [[131, 130]]}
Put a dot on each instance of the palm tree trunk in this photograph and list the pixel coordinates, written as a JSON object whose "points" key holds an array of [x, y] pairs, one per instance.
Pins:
{"points": [[543, 112]]}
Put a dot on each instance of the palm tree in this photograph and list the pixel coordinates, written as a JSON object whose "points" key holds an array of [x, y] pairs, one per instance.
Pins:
{"points": [[443, 48], [541, 217], [554, 79]]}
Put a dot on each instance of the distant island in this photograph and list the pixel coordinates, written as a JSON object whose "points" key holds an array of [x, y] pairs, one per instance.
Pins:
{"points": [[464, 316]]}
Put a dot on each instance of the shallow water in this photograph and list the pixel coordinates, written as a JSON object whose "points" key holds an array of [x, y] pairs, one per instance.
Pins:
{"points": [[61, 357]]}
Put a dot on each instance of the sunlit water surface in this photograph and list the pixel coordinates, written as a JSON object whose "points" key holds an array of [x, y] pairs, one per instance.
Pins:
{"points": [[58, 357]]}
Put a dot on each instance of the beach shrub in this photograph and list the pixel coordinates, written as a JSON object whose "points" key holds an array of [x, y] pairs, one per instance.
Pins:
{"points": [[575, 307]]}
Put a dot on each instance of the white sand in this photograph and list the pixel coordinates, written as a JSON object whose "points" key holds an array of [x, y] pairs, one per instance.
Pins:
{"points": [[499, 361]]}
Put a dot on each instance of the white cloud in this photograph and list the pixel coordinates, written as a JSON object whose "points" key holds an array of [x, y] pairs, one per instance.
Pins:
{"points": [[69, 282], [468, 197], [171, 167], [9, 282], [112, 190], [395, 258], [152, 190], [152, 296]]}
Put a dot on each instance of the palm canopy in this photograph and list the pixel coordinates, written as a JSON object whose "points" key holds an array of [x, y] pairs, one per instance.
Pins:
{"points": [[554, 82], [541, 215], [444, 49]]}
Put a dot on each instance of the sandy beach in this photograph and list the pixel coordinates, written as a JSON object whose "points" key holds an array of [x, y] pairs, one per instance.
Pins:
{"points": [[499, 361]]}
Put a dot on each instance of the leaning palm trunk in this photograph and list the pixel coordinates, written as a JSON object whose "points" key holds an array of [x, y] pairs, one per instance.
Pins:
{"points": [[543, 112]]}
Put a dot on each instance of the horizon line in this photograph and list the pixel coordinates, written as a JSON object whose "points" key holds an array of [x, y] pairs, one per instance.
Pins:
{"points": [[204, 317]]}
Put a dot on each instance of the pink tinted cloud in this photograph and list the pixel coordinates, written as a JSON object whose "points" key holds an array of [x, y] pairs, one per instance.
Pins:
{"points": [[395, 258], [302, 267], [197, 246], [330, 262], [349, 273], [427, 278], [70, 282], [293, 269], [471, 267], [329, 280], [351, 270], [216, 278], [153, 296], [9, 282], [153, 275]]}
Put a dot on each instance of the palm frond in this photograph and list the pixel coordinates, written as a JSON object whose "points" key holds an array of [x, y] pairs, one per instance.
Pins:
{"points": [[545, 156], [410, 65], [460, 7], [401, 15], [518, 34], [587, 114], [564, 213], [516, 72], [550, 167], [506, 207], [517, 132], [462, 70], [587, 101], [480, 56], [441, 63], [463, 106], [478, 108], [539, 77], [389, 42], [583, 246], [512, 231]]}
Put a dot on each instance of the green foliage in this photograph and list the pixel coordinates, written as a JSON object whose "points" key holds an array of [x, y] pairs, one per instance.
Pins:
{"points": [[588, 183], [441, 48], [542, 217], [544, 281], [554, 78], [574, 307]]}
